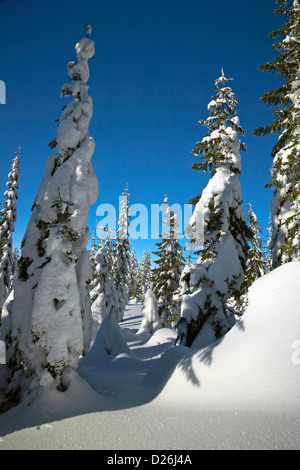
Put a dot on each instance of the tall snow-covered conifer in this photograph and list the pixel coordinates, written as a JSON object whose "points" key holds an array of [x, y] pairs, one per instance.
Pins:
{"points": [[285, 102], [150, 321], [133, 275], [144, 274], [104, 296], [256, 265], [169, 265], [122, 253], [256, 261], [8, 217], [51, 316], [220, 271]]}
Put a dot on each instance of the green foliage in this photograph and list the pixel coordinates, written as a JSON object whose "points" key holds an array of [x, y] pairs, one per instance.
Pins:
{"points": [[211, 150], [285, 105], [169, 265]]}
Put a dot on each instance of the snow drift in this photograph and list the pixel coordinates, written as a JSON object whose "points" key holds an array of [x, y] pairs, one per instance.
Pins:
{"points": [[254, 366], [239, 393]]}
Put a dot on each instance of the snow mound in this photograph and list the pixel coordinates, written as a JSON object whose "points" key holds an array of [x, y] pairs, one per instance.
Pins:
{"points": [[255, 366], [109, 343], [162, 336]]}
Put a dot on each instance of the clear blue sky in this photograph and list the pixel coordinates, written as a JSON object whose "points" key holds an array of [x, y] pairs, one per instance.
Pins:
{"points": [[151, 80]]}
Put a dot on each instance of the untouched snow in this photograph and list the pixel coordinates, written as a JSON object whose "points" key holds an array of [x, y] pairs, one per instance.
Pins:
{"points": [[135, 391], [253, 367]]}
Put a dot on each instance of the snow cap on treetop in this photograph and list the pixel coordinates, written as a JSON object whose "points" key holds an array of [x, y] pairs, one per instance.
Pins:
{"points": [[85, 48]]}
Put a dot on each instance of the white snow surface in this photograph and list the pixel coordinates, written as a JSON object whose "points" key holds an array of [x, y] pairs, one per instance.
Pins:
{"points": [[137, 391]]}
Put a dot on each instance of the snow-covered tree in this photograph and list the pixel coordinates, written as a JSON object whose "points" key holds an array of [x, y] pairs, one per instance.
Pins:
{"points": [[8, 217], [217, 225], [144, 274], [51, 315], [268, 247], [185, 286], [15, 260], [256, 262], [256, 265], [122, 253], [104, 296], [110, 249], [133, 275], [169, 265], [106, 238], [150, 321], [285, 102]]}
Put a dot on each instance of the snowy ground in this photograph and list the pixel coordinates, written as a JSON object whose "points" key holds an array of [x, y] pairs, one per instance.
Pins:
{"points": [[241, 393]]}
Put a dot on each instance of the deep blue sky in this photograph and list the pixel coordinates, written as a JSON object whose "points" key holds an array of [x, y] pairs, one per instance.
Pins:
{"points": [[151, 80]]}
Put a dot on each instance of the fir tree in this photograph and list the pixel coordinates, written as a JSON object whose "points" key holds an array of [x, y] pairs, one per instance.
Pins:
{"points": [[104, 295], [144, 275], [285, 103], [150, 321], [268, 248], [51, 315], [110, 249], [15, 260], [107, 239], [256, 265], [133, 275], [169, 265], [92, 254], [256, 261], [122, 253], [185, 282], [220, 270], [8, 217]]}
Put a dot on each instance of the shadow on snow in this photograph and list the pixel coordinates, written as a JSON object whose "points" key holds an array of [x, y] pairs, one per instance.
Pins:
{"points": [[123, 369]]}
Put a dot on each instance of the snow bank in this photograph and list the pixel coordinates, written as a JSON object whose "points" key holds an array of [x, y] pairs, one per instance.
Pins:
{"points": [[254, 367], [108, 342]]}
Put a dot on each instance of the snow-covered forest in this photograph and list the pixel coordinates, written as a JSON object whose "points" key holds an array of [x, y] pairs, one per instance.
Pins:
{"points": [[193, 345]]}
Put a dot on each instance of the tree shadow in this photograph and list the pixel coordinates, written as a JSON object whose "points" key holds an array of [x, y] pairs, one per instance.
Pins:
{"points": [[240, 324], [139, 383], [186, 367]]}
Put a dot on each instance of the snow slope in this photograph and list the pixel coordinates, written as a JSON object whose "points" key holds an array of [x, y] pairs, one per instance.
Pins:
{"points": [[254, 367], [136, 391]]}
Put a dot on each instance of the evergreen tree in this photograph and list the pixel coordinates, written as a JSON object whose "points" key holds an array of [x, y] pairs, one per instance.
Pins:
{"points": [[106, 239], [144, 275], [104, 295], [92, 254], [110, 249], [220, 270], [122, 254], [285, 102], [169, 265], [150, 321], [133, 275], [256, 265], [256, 262], [15, 261], [8, 217], [51, 315], [185, 283], [268, 249]]}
